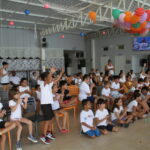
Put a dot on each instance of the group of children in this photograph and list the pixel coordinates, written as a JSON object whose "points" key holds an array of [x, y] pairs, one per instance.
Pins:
{"points": [[121, 101]]}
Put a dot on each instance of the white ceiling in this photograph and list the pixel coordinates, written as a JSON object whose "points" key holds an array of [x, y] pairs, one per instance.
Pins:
{"points": [[62, 10]]}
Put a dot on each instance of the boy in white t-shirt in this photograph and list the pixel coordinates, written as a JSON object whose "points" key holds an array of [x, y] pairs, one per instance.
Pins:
{"points": [[102, 118], [86, 120], [106, 94], [16, 104], [46, 103], [133, 107], [115, 88], [85, 91]]}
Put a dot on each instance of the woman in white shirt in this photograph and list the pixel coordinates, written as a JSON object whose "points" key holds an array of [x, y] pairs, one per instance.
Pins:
{"points": [[4, 76], [110, 68]]}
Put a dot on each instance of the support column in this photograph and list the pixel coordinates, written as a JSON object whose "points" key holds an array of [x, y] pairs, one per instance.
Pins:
{"points": [[43, 58], [93, 53]]}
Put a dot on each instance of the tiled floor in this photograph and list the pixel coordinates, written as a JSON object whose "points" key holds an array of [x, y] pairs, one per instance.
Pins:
{"points": [[136, 137]]}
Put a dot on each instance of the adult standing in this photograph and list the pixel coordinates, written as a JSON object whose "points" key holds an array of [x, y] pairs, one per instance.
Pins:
{"points": [[110, 68], [4, 76]]}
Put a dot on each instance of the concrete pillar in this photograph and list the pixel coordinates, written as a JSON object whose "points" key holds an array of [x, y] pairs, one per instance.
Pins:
{"points": [[93, 53]]}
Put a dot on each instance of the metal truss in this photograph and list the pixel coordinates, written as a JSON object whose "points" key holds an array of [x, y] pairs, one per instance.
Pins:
{"points": [[75, 18], [109, 32]]}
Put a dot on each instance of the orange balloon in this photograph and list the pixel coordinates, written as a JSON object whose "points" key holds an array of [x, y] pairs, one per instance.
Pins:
{"points": [[128, 16], [92, 16], [143, 25], [134, 19]]}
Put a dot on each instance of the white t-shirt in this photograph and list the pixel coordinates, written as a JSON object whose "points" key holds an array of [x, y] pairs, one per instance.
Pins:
{"points": [[1, 106], [101, 114], [132, 104], [110, 67], [15, 80], [142, 76], [56, 104], [115, 85], [116, 110], [84, 89], [86, 117], [123, 79], [133, 76], [22, 89], [38, 94], [5, 79], [106, 92], [46, 93], [17, 114], [78, 81]]}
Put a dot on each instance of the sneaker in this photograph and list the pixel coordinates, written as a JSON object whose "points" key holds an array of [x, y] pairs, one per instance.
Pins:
{"points": [[64, 131], [32, 139], [45, 140], [18, 146], [50, 136]]}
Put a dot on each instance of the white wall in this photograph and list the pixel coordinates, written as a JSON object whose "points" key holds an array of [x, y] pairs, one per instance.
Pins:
{"points": [[113, 42], [16, 38], [70, 42]]}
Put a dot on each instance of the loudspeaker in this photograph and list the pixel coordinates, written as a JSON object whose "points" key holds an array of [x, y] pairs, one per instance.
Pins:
{"points": [[44, 44], [142, 62], [105, 48]]}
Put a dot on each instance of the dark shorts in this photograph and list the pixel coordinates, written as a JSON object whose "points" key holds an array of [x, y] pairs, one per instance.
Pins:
{"points": [[129, 113], [2, 124], [5, 83], [48, 113], [109, 127]]}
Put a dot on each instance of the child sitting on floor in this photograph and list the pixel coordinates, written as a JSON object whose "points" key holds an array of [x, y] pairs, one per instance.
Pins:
{"points": [[133, 107], [119, 115], [115, 88], [58, 110], [16, 104], [4, 127], [102, 118], [106, 94], [86, 120]]}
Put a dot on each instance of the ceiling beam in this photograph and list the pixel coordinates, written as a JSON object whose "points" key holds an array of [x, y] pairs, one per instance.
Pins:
{"points": [[52, 5], [24, 21]]}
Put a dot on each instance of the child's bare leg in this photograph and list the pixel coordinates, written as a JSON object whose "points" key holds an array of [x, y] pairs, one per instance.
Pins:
{"points": [[115, 129], [19, 130], [57, 120], [129, 119], [64, 118], [105, 132], [8, 126], [29, 123], [50, 125], [3, 140], [45, 127]]}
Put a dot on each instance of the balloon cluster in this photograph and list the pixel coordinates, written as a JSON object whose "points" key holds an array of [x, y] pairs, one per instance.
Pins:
{"points": [[137, 23]]}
